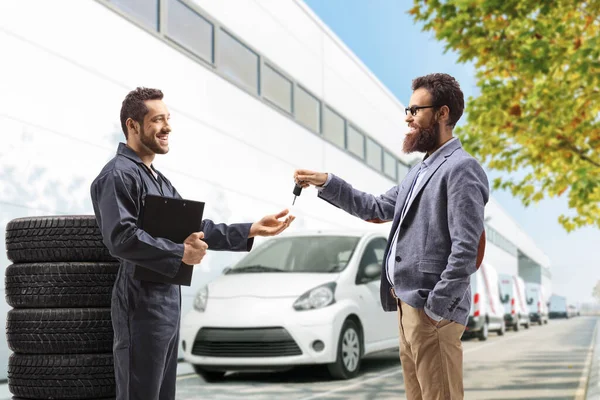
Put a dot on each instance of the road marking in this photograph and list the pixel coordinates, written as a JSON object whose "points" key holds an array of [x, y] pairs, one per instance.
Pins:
{"points": [[187, 376], [585, 374], [399, 371]]}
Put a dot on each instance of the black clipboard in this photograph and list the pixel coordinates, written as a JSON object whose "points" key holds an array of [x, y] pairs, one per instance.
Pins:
{"points": [[173, 219]]}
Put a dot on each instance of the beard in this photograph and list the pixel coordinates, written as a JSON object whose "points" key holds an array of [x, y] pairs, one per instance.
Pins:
{"points": [[151, 142], [423, 140]]}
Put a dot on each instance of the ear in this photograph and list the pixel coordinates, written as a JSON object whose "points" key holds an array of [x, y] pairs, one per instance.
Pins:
{"points": [[443, 113], [132, 126]]}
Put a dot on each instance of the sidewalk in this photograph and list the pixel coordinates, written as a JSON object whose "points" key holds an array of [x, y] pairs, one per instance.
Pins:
{"points": [[593, 388]]}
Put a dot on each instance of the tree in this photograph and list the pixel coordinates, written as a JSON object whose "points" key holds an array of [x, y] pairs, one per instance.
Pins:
{"points": [[537, 117], [596, 292]]}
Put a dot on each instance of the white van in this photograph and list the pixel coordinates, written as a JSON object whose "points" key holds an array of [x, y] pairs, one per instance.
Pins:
{"points": [[558, 307], [487, 312], [512, 295], [537, 304]]}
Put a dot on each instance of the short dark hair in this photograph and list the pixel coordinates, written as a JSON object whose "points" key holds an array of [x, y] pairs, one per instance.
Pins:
{"points": [[445, 91], [134, 107]]}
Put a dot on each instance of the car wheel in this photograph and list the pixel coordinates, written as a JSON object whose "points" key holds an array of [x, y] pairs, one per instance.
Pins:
{"points": [[527, 325], [208, 375], [349, 352], [483, 333], [502, 329]]}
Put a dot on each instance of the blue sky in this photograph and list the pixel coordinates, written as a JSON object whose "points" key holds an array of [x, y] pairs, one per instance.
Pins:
{"points": [[395, 49]]}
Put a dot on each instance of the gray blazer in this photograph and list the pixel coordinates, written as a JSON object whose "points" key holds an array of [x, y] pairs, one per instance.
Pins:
{"points": [[439, 234]]}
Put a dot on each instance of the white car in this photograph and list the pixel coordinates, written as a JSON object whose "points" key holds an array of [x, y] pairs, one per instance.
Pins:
{"points": [[310, 298]]}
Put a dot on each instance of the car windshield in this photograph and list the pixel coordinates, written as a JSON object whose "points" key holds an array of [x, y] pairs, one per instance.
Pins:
{"points": [[309, 254]]}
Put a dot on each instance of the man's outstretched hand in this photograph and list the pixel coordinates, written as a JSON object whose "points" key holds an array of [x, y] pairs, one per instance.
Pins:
{"points": [[305, 178], [270, 225]]}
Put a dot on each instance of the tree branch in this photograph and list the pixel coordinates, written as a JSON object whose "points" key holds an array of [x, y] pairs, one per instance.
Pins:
{"points": [[581, 154]]}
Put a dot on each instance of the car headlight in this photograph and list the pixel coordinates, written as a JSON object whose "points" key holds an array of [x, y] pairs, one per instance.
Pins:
{"points": [[201, 299], [319, 297]]}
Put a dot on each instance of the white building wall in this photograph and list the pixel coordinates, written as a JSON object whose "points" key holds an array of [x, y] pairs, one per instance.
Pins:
{"points": [[504, 262], [509, 228], [294, 38]]}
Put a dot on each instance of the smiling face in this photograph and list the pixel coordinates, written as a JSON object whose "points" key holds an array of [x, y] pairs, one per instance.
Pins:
{"points": [[424, 133], [155, 129], [150, 136]]}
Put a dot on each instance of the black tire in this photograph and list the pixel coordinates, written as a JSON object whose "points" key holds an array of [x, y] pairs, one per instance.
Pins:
{"points": [[56, 285], [208, 375], [482, 335], [55, 238], [68, 377], [22, 398], [59, 330], [502, 329], [350, 340]]}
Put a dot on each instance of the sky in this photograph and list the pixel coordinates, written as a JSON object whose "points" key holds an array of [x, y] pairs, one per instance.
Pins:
{"points": [[396, 50]]}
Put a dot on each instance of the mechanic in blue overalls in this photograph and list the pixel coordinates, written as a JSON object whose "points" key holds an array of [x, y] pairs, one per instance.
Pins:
{"points": [[146, 315]]}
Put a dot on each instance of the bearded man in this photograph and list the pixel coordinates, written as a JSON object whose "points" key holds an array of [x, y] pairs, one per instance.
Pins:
{"points": [[438, 220]]}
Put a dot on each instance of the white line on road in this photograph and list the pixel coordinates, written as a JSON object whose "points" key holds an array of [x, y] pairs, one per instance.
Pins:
{"points": [[187, 376], [399, 371], [581, 390]]}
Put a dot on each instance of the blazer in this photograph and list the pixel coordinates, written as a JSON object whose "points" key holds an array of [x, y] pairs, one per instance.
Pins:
{"points": [[439, 237]]}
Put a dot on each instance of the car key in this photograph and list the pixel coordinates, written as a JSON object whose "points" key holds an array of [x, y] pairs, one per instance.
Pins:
{"points": [[297, 191]]}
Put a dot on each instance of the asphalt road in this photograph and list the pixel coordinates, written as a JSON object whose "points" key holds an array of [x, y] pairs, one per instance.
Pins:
{"points": [[545, 362], [549, 362]]}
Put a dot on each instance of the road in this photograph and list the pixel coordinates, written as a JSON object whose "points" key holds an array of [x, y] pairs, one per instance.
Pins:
{"points": [[543, 363]]}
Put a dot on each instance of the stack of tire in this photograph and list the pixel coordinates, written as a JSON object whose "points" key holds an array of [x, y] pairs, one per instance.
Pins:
{"points": [[59, 328]]}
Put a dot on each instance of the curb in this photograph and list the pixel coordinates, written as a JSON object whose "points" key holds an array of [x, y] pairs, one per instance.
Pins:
{"points": [[592, 380]]}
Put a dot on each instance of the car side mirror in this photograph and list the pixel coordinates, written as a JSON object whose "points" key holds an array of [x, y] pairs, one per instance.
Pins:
{"points": [[372, 271], [226, 270]]}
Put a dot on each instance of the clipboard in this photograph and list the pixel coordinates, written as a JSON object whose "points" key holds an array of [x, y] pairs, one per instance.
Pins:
{"points": [[173, 219]]}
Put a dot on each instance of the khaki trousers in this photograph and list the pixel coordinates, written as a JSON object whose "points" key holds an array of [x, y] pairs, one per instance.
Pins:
{"points": [[431, 355]]}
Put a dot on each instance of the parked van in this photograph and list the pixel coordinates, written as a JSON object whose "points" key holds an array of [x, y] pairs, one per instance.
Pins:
{"points": [[487, 312], [572, 311], [558, 307], [537, 304], [512, 295]]}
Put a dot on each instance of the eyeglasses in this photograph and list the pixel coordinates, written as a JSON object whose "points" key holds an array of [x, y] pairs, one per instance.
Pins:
{"points": [[413, 110]]}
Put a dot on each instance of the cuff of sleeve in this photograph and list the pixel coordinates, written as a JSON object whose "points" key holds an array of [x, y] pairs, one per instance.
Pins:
{"points": [[432, 315], [329, 176]]}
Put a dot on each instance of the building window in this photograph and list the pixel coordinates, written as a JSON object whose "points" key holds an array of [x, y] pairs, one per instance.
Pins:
{"points": [[238, 62], [277, 88], [307, 109], [402, 171], [389, 165], [333, 128], [193, 31], [190, 30], [144, 11], [374, 154], [356, 142]]}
